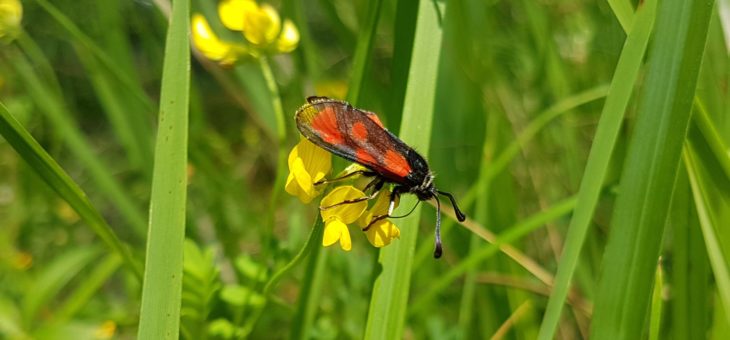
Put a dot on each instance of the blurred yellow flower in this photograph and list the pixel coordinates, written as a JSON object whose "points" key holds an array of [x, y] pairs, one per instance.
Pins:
{"points": [[288, 39], [11, 12], [308, 164], [382, 232], [106, 330], [210, 45], [260, 24], [337, 217]]}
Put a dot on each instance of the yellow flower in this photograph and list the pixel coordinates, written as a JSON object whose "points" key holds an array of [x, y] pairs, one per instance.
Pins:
{"points": [[288, 39], [106, 330], [210, 45], [260, 25], [336, 218], [308, 164], [382, 232], [11, 12]]}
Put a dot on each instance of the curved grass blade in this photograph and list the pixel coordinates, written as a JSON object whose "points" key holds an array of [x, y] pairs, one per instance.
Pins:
{"points": [[161, 291], [477, 256], [709, 200], [53, 278], [47, 168], [650, 170], [599, 158], [509, 153], [55, 108]]}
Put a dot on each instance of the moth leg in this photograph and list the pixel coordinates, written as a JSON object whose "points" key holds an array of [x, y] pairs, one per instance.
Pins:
{"points": [[376, 184], [366, 173], [356, 200], [393, 197]]}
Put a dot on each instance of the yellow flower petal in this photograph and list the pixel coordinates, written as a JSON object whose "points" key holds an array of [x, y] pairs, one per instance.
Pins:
{"points": [[307, 165], [288, 39], [231, 12], [262, 25], [382, 233], [11, 13], [382, 202], [347, 213], [317, 161], [209, 44], [292, 187], [335, 230]]}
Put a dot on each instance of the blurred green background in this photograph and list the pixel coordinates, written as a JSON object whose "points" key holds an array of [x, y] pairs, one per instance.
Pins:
{"points": [[519, 89]]}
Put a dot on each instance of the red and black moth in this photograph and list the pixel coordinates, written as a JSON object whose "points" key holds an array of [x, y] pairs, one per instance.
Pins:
{"points": [[359, 136]]}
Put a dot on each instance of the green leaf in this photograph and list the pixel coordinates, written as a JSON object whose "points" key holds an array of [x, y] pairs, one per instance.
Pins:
{"points": [[200, 283], [161, 291]]}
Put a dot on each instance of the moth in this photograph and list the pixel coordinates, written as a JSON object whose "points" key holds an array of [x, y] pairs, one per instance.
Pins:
{"points": [[359, 136]]}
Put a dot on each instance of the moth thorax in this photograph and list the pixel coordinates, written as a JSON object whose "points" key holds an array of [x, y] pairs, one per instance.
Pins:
{"points": [[424, 191]]}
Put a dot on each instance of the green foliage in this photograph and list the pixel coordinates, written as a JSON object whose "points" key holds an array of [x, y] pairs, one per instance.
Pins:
{"points": [[201, 281], [593, 166]]}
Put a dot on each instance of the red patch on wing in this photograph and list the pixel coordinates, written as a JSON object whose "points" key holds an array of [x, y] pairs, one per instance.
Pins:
{"points": [[396, 163], [325, 124], [359, 131], [364, 157]]}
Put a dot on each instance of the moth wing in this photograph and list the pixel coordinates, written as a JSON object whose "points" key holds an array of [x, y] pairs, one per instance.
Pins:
{"points": [[355, 135]]}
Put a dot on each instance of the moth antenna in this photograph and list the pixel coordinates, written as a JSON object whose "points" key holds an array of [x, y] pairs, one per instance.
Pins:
{"points": [[412, 209], [459, 215], [437, 251]]}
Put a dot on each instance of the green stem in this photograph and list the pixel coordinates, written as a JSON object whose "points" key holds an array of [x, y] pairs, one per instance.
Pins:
{"points": [[280, 131], [278, 182]]}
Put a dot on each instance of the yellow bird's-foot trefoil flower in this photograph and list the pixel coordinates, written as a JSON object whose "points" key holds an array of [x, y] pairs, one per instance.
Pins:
{"points": [[383, 231], [308, 164], [337, 213], [210, 45], [263, 31]]}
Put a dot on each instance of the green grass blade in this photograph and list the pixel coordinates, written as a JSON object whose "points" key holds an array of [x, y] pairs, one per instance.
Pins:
{"points": [[389, 300], [309, 295], [690, 275], [88, 288], [650, 170], [160, 312], [52, 278], [79, 36], [657, 304], [508, 154], [511, 235], [47, 168], [135, 138], [599, 158], [624, 11], [711, 202], [363, 51], [55, 108], [712, 137]]}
